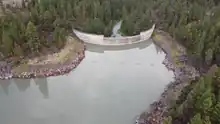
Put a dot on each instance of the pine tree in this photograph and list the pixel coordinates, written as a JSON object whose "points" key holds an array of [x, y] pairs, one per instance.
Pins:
{"points": [[197, 119], [204, 95], [7, 44], [18, 50], [215, 113], [207, 120], [59, 37], [32, 37]]}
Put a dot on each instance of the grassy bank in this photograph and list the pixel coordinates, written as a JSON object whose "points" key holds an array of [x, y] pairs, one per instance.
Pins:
{"points": [[49, 60], [169, 46]]}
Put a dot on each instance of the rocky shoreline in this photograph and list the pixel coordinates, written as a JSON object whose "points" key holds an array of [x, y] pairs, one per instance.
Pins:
{"points": [[182, 75], [40, 71]]}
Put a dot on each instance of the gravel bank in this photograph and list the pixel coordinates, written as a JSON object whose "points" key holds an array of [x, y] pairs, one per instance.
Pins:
{"points": [[183, 74], [43, 70]]}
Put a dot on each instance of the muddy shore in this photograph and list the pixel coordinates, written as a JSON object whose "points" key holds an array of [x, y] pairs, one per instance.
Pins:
{"points": [[183, 74], [40, 71]]}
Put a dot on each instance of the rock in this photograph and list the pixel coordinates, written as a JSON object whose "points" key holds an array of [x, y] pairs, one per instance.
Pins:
{"points": [[155, 115]]}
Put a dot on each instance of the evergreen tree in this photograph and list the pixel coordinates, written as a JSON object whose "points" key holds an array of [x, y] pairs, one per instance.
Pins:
{"points": [[197, 119], [6, 44], [32, 37]]}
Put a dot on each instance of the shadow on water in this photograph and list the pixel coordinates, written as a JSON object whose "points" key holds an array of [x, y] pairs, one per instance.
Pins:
{"points": [[5, 84], [43, 86], [22, 84], [101, 49]]}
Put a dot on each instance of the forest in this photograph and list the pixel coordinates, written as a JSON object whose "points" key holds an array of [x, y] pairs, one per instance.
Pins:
{"points": [[199, 102]]}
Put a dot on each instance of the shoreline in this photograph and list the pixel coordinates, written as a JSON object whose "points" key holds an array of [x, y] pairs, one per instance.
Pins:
{"points": [[177, 63], [183, 74], [43, 71]]}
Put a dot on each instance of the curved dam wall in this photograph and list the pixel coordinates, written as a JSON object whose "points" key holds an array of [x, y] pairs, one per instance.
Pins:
{"points": [[113, 41]]}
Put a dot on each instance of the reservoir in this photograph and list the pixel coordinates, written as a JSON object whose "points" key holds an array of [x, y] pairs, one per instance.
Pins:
{"points": [[110, 86]]}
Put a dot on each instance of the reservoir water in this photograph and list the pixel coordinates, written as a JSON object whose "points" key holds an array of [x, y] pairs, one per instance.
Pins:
{"points": [[108, 87]]}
